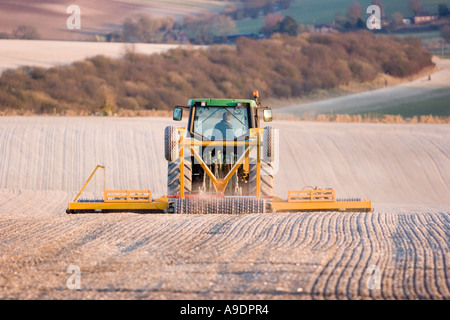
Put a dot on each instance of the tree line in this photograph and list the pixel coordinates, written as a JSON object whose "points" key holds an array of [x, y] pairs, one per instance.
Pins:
{"points": [[283, 66]]}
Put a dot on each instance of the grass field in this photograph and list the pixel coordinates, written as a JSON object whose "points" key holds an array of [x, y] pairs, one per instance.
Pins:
{"points": [[412, 102], [435, 102], [414, 98], [320, 11]]}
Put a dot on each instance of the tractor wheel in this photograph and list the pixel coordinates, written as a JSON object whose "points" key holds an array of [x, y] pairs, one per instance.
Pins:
{"points": [[171, 137], [268, 152], [174, 175], [266, 179]]}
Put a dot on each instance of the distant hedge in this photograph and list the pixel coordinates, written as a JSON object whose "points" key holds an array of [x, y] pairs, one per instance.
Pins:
{"points": [[280, 67]]}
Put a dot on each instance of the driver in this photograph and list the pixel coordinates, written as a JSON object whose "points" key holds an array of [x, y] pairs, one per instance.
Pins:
{"points": [[224, 126]]}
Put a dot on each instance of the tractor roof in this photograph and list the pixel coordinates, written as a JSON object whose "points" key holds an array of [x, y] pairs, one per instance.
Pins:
{"points": [[222, 102]]}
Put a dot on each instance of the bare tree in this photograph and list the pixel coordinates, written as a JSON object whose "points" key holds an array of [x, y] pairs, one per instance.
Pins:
{"points": [[270, 21], [222, 25], [445, 33], [354, 12], [415, 6], [397, 20], [443, 10], [143, 28], [204, 28], [25, 32]]}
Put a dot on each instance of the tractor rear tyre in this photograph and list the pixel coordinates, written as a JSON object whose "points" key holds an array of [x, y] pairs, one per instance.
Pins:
{"points": [[174, 176], [171, 137], [268, 150]]}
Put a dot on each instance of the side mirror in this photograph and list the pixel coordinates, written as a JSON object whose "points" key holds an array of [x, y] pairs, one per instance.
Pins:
{"points": [[267, 115], [177, 114]]}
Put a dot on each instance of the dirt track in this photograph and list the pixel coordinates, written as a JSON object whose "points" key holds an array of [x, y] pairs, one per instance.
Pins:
{"points": [[403, 169]]}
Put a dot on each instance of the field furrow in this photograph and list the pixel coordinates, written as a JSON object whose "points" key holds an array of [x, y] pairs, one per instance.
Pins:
{"points": [[399, 251]]}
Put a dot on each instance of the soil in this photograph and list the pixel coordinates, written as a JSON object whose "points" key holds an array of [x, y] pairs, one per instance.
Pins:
{"points": [[399, 251]]}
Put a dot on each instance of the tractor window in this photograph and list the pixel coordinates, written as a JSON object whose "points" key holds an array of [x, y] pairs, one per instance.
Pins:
{"points": [[221, 123]]}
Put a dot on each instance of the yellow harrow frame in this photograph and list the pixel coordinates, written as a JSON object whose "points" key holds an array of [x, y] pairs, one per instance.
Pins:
{"points": [[318, 200], [221, 184], [118, 201], [140, 201]]}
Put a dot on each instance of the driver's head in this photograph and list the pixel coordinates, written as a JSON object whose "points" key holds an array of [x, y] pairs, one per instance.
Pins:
{"points": [[226, 116]]}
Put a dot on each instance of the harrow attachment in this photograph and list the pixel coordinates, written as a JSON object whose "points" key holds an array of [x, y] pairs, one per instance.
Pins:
{"points": [[138, 201], [229, 205], [318, 200], [141, 201]]}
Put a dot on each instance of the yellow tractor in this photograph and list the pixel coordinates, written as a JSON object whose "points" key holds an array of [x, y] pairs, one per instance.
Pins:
{"points": [[223, 162]]}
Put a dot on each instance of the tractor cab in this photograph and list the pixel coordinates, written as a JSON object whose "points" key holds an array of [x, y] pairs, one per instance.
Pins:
{"points": [[221, 119], [218, 123]]}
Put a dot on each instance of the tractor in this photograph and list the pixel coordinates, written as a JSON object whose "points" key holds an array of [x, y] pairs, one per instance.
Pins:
{"points": [[223, 161]]}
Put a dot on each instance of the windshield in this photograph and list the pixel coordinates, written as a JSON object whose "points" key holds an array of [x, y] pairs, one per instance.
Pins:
{"points": [[221, 123]]}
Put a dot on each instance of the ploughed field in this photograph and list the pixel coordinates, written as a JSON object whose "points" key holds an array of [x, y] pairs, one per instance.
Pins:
{"points": [[399, 251]]}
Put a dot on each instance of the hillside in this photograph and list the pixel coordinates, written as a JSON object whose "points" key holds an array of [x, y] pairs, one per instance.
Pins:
{"points": [[280, 67], [99, 17], [426, 95]]}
